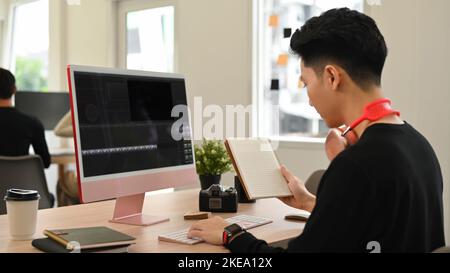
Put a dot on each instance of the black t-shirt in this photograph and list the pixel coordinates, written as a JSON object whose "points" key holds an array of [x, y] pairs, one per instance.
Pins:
{"points": [[387, 188], [18, 131]]}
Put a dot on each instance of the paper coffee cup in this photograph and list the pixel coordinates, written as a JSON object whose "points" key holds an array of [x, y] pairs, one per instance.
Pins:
{"points": [[22, 207]]}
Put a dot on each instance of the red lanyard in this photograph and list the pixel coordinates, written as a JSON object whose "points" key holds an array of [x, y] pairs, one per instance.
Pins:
{"points": [[373, 112]]}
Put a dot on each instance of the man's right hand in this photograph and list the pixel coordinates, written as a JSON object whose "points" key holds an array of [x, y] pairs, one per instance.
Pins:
{"points": [[336, 143], [301, 198]]}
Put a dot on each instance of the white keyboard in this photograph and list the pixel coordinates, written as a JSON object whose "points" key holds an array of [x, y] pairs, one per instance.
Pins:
{"points": [[245, 221]]}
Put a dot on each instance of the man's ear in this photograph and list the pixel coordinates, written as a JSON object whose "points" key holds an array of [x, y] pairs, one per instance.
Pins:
{"points": [[14, 90], [332, 76]]}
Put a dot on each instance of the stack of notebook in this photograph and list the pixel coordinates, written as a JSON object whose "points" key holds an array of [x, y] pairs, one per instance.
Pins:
{"points": [[84, 240]]}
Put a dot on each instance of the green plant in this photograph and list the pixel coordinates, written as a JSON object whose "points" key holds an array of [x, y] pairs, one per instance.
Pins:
{"points": [[212, 158], [29, 74]]}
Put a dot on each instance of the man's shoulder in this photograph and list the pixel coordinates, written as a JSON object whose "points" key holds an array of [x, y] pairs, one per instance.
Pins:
{"points": [[385, 142], [31, 121], [346, 163], [389, 152]]}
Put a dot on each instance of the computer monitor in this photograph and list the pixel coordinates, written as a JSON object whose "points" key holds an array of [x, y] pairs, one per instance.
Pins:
{"points": [[48, 107], [124, 141]]}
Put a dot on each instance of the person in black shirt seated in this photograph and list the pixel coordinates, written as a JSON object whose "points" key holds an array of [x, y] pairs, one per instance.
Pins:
{"points": [[384, 185], [18, 131]]}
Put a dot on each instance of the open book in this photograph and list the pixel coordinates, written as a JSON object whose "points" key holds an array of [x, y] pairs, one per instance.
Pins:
{"points": [[258, 168]]}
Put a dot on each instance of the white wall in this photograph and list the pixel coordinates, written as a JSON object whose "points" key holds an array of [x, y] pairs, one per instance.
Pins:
{"points": [[57, 46], [81, 34], [214, 50], [90, 38], [3, 8]]}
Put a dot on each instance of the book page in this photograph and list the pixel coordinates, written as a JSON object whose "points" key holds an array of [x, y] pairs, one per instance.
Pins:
{"points": [[259, 168]]}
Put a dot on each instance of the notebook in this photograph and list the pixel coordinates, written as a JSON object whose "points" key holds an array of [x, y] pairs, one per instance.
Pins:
{"points": [[258, 168], [50, 246], [87, 238]]}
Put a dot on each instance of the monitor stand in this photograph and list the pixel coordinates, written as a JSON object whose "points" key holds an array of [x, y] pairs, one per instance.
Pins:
{"points": [[128, 210]]}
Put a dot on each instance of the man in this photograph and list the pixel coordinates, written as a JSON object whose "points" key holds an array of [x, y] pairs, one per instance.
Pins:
{"points": [[18, 131], [384, 183]]}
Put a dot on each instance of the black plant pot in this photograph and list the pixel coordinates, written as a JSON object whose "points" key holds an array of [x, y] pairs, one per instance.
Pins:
{"points": [[207, 181]]}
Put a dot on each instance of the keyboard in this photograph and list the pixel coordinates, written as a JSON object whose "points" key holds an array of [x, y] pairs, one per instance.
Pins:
{"points": [[245, 221]]}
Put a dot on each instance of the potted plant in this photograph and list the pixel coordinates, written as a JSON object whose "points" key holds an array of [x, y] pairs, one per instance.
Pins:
{"points": [[211, 161]]}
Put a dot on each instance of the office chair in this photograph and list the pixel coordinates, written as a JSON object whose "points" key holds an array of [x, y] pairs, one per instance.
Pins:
{"points": [[25, 172], [312, 183]]}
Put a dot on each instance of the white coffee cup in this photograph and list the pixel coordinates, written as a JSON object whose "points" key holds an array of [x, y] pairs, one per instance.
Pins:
{"points": [[22, 207]]}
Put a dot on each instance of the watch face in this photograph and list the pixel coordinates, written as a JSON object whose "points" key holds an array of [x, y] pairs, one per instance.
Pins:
{"points": [[234, 228]]}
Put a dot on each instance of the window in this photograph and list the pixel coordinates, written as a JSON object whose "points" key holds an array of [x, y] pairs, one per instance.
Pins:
{"points": [[30, 26], [277, 93], [150, 39]]}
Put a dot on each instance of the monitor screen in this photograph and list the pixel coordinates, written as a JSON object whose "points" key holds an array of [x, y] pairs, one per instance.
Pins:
{"points": [[48, 107], [125, 123]]}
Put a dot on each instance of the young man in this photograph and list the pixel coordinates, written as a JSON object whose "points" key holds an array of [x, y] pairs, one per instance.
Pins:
{"points": [[384, 183], [17, 130]]}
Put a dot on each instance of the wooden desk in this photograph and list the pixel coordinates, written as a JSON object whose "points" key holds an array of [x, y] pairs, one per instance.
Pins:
{"points": [[172, 205]]}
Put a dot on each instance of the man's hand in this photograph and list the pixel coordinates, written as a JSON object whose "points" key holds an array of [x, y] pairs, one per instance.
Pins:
{"points": [[336, 143], [302, 198], [210, 230]]}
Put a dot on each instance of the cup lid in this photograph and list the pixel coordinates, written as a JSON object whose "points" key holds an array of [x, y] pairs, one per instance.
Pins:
{"points": [[21, 195]]}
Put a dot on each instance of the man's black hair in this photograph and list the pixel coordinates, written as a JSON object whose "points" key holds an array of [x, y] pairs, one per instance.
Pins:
{"points": [[7, 84], [347, 38]]}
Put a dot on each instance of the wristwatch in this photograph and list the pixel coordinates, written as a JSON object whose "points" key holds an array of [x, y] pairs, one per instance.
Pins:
{"points": [[230, 231]]}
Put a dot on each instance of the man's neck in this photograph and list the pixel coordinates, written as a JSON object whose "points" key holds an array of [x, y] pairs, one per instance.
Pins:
{"points": [[356, 105], [6, 103]]}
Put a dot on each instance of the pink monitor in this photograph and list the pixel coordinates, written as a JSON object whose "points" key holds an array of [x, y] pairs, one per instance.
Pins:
{"points": [[132, 136]]}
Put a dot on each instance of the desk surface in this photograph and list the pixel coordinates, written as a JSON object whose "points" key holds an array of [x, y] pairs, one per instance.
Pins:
{"points": [[172, 205]]}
